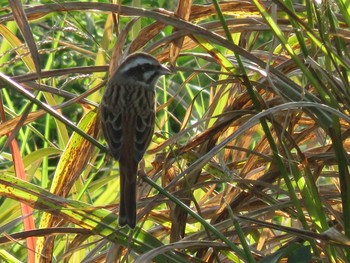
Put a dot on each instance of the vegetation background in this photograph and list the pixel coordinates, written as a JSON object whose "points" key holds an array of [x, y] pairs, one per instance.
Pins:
{"points": [[249, 161]]}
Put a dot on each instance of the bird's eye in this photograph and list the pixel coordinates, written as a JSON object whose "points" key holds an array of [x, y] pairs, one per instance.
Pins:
{"points": [[146, 67]]}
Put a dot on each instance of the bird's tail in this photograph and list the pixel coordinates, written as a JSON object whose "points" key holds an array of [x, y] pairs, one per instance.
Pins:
{"points": [[127, 208]]}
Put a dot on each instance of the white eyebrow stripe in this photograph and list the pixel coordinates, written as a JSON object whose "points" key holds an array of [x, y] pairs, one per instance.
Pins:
{"points": [[135, 63]]}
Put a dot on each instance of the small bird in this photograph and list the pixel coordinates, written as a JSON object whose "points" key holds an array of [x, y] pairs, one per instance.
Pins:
{"points": [[127, 113]]}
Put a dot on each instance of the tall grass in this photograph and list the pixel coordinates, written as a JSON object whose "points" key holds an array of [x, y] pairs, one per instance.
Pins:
{"points": [[249, 161]]}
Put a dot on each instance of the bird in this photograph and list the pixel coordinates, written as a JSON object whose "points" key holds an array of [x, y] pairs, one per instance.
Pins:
{"points": [[127, 114]]}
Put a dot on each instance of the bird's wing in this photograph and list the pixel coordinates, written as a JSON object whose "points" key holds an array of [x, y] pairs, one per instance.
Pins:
{"points": [[111, 123], [144, 124]]}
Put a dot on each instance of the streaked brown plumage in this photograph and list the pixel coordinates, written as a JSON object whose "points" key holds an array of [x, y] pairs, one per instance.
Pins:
{"points": [[127, 113]]}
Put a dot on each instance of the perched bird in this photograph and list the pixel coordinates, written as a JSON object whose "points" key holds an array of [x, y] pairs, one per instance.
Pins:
{"points": [[127, 114]]}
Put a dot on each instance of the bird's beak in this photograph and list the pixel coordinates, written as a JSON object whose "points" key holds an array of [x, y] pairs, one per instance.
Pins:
{"points": [[166, 70]]}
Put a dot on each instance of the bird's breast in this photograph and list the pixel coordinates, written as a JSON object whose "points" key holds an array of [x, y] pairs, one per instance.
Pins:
{"points": [[136, 99]]}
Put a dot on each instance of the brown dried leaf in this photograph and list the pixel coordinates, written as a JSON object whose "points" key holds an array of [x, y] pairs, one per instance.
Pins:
{"points": [[183, 11], [10, 125], [23, 25], [117, 55]]}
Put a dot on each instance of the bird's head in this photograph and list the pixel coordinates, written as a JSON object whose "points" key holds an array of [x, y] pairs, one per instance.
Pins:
{"points": [[141, 69]]}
